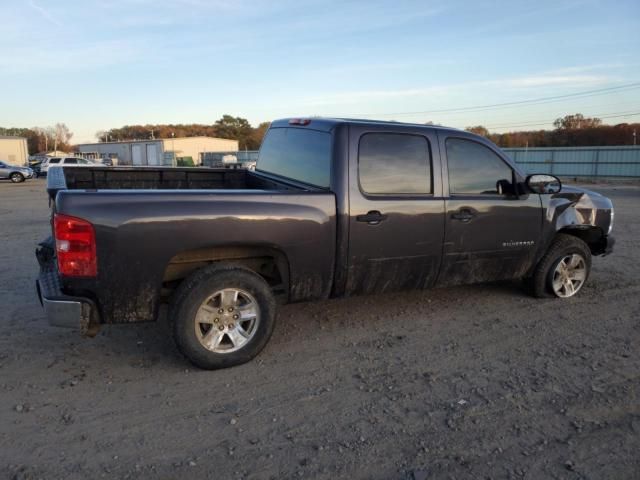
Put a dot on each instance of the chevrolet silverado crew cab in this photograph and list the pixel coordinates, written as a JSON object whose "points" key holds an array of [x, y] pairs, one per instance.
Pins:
{"points": [[334, 208]]}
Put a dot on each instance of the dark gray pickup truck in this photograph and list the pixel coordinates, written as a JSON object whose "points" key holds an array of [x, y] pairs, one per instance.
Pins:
{"points": [[334, 208]]}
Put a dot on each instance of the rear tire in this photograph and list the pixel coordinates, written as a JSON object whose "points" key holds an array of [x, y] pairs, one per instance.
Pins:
{"points": [[16, 177], [222, 316], [563, 270]]}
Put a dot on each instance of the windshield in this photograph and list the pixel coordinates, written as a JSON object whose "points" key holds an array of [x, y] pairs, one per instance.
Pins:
{"points": [[297, 153]]}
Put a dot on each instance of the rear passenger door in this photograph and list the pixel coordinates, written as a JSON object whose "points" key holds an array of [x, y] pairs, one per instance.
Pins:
{"points": [[396, 209], [490, 232]]}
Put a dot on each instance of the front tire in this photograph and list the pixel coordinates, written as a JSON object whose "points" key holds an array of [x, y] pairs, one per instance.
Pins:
{"points": [[16, 177], [563, 270], [222, 316]]}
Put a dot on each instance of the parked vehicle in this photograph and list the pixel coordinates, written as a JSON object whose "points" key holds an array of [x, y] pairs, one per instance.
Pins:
{"points": [[62, 161], [14, 173], [334, 208], [35, 166], [36, 160]]}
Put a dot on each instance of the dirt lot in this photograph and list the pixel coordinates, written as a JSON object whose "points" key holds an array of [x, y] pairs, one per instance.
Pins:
{"points": [[471, 382]]}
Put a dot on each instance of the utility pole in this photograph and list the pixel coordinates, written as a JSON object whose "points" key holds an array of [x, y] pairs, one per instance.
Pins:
{"points": [[634, 137], [152, 137], [174, 160]]}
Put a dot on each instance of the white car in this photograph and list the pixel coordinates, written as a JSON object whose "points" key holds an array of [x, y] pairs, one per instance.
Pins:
{"points": [[60, 161]]}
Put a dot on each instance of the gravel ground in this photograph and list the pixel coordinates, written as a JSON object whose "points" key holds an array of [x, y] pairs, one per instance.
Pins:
{"points": [[469, 382]]}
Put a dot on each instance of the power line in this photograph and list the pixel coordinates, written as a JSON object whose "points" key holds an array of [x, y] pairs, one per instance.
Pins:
{"points": [[533, 101], [612, 115], [619, 112]]}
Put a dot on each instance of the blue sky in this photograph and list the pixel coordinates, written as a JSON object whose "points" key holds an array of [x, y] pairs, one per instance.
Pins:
{"points": [[98, 64]]}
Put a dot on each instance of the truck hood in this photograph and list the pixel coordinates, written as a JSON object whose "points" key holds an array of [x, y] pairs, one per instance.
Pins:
{"points": [[579, 190]]}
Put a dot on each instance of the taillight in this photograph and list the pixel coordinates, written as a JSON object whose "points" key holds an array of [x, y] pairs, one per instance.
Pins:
{"points": [[75, 246]]}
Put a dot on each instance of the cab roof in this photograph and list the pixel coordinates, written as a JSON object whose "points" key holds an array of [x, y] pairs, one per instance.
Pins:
{"points": [[327, 124]]}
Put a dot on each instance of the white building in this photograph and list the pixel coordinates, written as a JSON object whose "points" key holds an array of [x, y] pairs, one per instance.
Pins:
{"points": [[13, 150], [159, 151]]}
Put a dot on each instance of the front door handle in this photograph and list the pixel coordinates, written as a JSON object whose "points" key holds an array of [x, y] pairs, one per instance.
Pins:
{"points": [[374, 217], [464, 215]]}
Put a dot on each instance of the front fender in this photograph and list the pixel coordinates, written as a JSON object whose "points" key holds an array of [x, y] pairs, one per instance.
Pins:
{"points": [[583, 213], [578, 208]]}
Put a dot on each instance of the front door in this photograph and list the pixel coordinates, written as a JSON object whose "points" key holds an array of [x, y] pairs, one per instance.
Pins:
{"points": [[396, 225], [136, 154], [152, 154], [490, 232]]}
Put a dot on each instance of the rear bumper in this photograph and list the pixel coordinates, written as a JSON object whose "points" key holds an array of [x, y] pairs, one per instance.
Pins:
{"points": [[63, 310]]}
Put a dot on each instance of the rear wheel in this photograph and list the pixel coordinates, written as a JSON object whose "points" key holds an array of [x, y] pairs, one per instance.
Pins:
{"points": [[563, 270], [222, 316], [16, 177]]}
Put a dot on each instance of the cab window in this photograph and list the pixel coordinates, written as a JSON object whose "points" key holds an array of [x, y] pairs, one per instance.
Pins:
{"points": [[392, 163], [300, 154], [474, 169]]}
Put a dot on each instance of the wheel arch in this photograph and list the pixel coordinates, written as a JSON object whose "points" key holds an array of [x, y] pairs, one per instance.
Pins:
{"points": [[269, 262], [593, 236]]}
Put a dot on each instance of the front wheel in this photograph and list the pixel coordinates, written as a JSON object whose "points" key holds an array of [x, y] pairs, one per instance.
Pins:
{"points": [[563, 270], [16, 177], [222, 316]]}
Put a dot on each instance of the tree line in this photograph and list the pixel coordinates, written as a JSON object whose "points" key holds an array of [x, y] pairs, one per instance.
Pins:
{"points": [[43, 139], [235, 128], [569, 131]]}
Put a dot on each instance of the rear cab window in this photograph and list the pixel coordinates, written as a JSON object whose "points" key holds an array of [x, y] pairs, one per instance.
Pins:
{"points": [[54, 160], [394, 164], [299, 154]]}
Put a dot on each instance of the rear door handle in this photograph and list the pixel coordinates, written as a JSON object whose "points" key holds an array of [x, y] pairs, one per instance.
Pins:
{"points": [[373, 217], [464, 215]]}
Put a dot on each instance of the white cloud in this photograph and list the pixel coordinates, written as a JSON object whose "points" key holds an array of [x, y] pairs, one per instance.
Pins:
{"points": [[44, 13], [369, 95], [93, 55], [536, 81], [588, 68], [553, 80]]}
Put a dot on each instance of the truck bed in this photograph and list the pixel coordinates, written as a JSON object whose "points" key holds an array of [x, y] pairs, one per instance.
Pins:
{"points": [[157, 178], [146, 238]]}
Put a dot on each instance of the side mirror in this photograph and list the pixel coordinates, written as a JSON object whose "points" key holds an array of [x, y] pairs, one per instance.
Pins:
{"points": [[543, 183]]}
